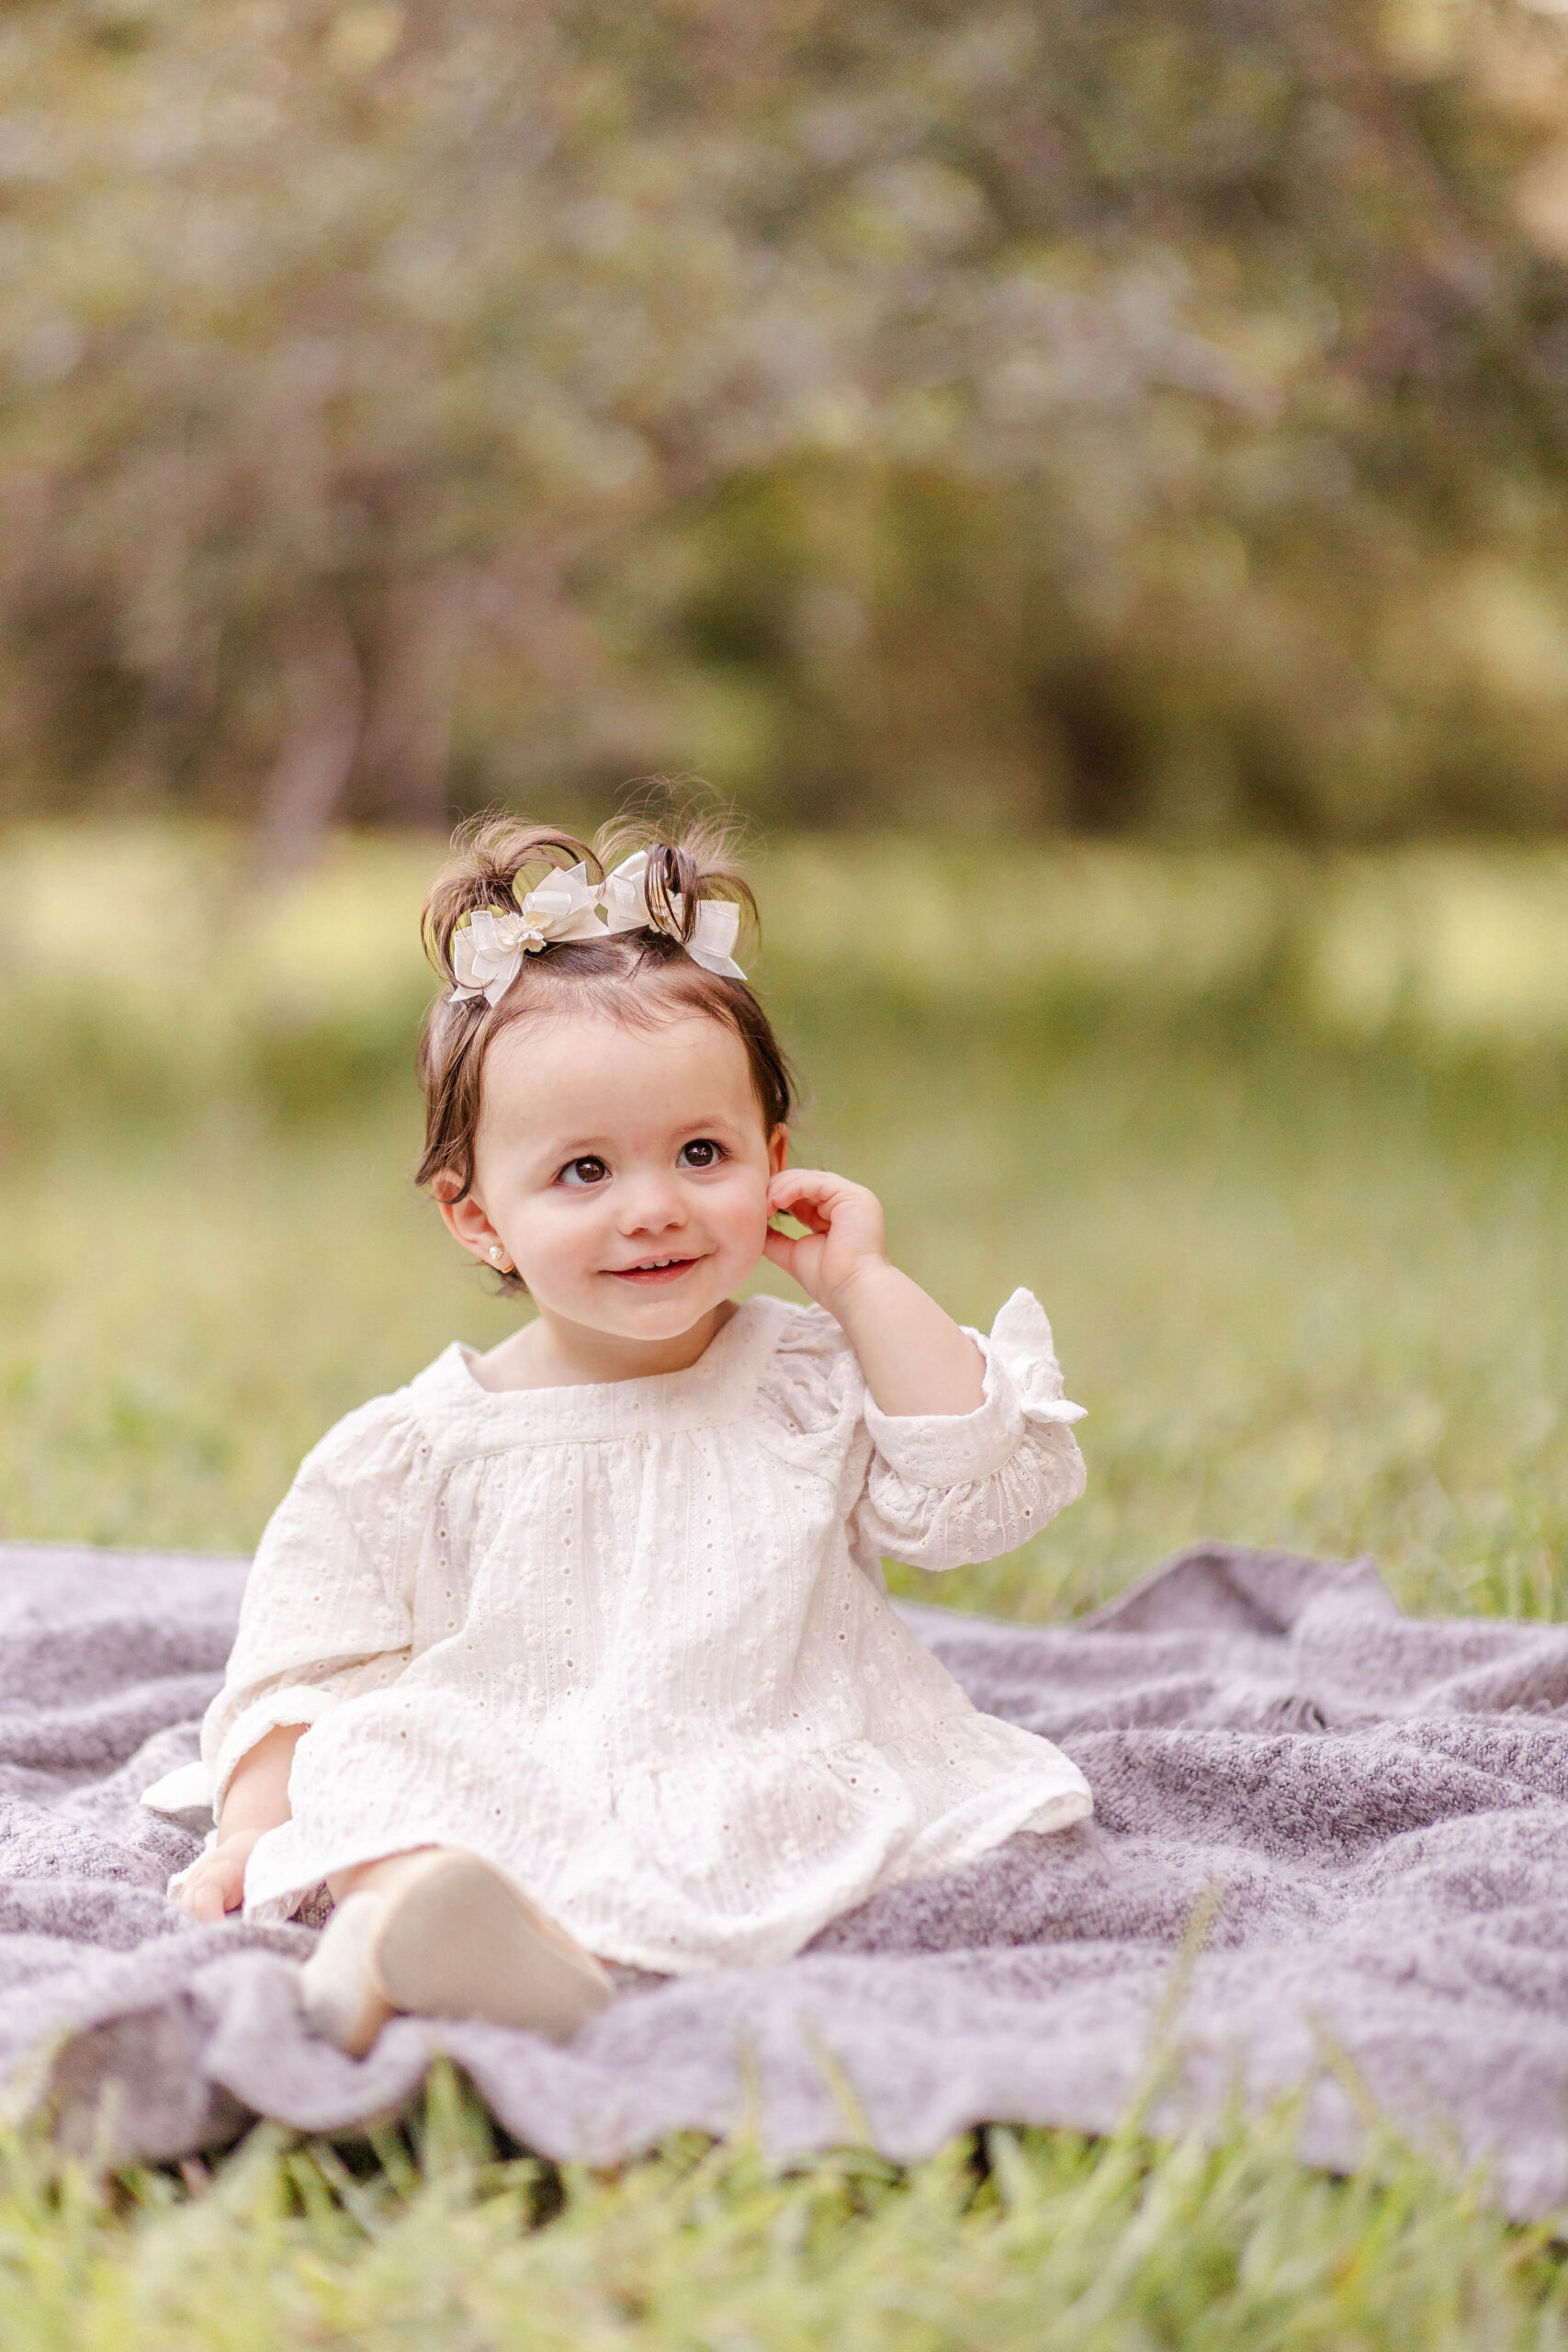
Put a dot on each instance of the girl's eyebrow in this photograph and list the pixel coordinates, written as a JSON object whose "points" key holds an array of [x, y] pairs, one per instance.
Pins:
{"points": [[584, 1145]]}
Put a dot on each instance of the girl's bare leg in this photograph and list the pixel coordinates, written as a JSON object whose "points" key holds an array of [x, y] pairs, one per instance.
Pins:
{"points": [[381, 1876]]}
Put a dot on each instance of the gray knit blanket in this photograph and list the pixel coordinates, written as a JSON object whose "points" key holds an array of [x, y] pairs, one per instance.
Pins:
{"points": [[1330, 1854]]}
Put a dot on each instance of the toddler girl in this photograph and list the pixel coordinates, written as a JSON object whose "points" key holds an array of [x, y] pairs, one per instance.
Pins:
{"points": [[577, 1652]]}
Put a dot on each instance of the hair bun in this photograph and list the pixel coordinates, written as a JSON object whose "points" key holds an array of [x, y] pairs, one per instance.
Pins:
{"points": [[488, 854], [690, 858]]}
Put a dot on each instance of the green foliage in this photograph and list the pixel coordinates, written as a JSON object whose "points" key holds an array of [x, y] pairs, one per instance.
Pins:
{"points": [[1019, 2239], [1020, 413]]}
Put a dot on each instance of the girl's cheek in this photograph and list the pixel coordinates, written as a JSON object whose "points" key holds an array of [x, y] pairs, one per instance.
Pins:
{"points": [[749, 1211]]}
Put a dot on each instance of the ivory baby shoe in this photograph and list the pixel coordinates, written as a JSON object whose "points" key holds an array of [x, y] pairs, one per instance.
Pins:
{"points": [[453, 1939]]}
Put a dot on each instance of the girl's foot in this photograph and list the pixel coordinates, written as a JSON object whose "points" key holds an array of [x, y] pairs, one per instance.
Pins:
{"points": [[338, 1986], [452, 1938]]}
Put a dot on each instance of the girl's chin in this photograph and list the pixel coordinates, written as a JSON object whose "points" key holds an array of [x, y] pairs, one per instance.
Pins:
{"points": [[681, 1302], [662, 1313]]}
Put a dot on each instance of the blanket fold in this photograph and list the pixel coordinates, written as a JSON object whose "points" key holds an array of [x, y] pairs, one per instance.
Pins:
{"points": [[1370, 1813]]}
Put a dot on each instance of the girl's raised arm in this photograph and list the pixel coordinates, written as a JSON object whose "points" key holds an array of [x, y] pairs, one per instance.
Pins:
{"points": [[916, 1359]]}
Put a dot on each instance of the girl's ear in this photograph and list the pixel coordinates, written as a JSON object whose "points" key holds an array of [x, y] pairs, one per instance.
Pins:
{"points": [[465, 1221], [778, 1151]]}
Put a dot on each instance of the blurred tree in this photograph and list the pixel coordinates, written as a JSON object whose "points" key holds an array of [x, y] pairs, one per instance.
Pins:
{"points": [[941, 408]]}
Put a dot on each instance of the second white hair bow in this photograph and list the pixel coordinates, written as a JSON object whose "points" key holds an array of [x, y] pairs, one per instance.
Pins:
{"points": [[624, 896], [487, 950]]}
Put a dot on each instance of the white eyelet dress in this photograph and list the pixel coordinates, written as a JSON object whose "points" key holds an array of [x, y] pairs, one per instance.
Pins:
{"points": [[630, 1642]]}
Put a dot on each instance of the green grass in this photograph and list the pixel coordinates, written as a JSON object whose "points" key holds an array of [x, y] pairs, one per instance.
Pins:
{"points": [[1012, 2242], [1303, 1233]]}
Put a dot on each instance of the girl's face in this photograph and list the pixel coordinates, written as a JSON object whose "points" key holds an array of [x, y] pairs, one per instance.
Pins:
{"points": [[624, 1171]]}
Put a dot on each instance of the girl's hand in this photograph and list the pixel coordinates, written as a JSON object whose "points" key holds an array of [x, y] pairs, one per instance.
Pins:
{"points": [[256, 1802], [915, 1358], [845, 1235], [217, 1884]]}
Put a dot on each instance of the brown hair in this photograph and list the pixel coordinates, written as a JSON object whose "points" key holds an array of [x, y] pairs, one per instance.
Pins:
{"points": [[638, 977]]}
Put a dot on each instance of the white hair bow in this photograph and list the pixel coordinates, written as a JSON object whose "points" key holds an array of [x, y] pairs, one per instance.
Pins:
{"points": [[624, 896], [487, 950]]}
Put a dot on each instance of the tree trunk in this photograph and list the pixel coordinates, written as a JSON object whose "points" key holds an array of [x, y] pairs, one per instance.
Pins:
{"points": [[400, 775], [325, 694]]}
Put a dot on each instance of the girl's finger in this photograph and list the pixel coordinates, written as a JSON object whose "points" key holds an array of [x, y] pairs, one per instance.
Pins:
{"points": [[814, 1210], [793, 1184], [781, 1248]]}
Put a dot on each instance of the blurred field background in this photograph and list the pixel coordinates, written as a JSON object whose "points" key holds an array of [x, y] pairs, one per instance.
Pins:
{"points": [[1086, 483]]}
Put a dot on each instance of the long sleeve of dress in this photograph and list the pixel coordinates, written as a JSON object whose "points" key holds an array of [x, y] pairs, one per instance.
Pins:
{"points": [[944, 1489], [327, 1612]]}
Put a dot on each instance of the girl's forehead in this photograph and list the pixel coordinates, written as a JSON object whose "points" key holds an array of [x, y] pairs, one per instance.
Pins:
{"points": [[582, 1055]]}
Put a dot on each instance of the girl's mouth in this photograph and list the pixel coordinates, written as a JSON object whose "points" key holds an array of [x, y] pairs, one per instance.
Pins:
{"points": [[652, 1271]]}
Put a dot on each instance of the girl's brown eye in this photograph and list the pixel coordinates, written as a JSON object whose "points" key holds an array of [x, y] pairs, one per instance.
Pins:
{"points": [[583, 1171], [703, 1153]]}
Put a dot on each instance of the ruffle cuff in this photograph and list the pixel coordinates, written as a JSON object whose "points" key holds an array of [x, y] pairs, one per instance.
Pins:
{"points": [[298, 1702], [184, 1795], [1023, 1386]]}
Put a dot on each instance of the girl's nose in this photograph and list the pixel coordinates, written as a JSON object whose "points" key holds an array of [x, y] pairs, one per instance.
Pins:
{"points": [[652, 1205]]}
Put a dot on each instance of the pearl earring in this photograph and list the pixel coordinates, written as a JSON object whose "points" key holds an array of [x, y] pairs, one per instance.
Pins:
{"points": [[500, 1260]]}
